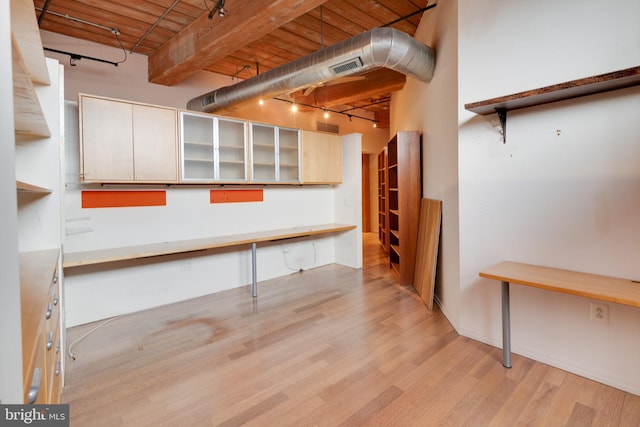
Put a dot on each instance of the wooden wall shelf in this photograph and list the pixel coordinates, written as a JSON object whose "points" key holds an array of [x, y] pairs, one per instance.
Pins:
{"points": [[29, 118], [24, 187], [558, 92], [572, 89]]}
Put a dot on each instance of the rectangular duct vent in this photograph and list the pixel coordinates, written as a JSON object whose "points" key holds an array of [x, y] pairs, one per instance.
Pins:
{"points": [[344, 67], [327, 127]]}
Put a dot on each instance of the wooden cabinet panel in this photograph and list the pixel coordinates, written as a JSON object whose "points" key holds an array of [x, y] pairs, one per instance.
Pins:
{"points": [[127, 142], [321, 158], [41, 325], [106, 140], [155, 153]]}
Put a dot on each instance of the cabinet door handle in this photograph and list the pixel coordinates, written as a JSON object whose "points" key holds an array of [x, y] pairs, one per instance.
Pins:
{"points": [[57, 372], [55, 300], [55, 279], [35, 385], [47, 314], [49, 340]]}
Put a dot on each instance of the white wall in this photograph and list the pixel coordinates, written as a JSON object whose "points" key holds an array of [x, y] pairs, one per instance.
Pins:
{"points": [[348, 203], [563, 191], [431, 108], [103, 291]]}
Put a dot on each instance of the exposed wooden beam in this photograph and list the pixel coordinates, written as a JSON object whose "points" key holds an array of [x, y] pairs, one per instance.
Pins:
{"points": [[205, 41], [375, 83]]}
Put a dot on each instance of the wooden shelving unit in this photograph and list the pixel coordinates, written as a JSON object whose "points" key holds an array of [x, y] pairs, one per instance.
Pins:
{"points": [[404, 191], [36, 91], [383, 208]]}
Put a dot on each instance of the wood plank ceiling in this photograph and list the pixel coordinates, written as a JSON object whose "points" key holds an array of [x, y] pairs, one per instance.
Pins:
{"points": [[254, 36]]}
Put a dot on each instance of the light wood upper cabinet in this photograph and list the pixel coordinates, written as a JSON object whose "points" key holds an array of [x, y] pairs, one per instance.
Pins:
{"points": [[155, 150], [127, 142], [321, 158]]}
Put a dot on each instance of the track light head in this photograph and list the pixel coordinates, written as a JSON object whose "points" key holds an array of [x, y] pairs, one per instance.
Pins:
{"points": [[219, 7]]}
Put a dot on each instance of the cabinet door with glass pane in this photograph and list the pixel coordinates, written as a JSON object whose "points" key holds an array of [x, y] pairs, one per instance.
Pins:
{"points": [[213, 148], [288, 155], [275, 154], [196, 137], [231, 150]]}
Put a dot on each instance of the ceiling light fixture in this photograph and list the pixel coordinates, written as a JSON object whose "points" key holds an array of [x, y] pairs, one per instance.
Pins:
{"points": [[219, 8]]}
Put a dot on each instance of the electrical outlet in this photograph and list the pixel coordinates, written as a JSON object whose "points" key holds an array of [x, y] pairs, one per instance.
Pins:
{"points": [[600, 312]]}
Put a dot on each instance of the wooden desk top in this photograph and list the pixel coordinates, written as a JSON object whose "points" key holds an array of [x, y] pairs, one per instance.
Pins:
{"points": [[100, 256], [605, 288]]}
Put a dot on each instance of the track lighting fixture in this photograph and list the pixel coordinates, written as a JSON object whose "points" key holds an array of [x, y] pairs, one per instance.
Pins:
{"points": [[219, 8]]}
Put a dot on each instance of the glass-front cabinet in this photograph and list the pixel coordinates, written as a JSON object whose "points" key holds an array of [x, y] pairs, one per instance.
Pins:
{"points": [[275, 154], [214, 149]]}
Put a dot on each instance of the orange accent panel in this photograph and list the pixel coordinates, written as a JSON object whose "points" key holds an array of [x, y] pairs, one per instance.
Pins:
{"points": [[231, 196], [123, 199]]}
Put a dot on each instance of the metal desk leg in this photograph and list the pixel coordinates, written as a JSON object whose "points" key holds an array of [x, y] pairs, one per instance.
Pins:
{"points": [[254, 282], [506, 327]]}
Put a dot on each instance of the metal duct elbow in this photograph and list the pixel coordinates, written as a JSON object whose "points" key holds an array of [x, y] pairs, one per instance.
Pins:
{"points": [[378, 48]]}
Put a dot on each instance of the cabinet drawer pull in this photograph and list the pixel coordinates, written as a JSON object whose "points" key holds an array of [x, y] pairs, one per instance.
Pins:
{"points": [[55, 279], [47, 313], [35, 385], [55, 300], [58, 347], [49, 340], [57, 371]]}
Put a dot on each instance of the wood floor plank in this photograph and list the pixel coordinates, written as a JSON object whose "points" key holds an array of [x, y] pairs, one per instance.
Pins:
{"points": [[332, 346]]}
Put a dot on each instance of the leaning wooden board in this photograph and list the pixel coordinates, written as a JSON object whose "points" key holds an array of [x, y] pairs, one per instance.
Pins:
{"points": [[427, 251]]}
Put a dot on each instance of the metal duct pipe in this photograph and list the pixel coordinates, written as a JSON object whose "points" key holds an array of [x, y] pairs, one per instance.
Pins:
{"points": [[378, 48]]}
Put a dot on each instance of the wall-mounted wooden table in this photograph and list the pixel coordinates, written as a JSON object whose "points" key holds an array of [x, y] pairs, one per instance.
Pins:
{"points": [[603, 288], [101, 256]]}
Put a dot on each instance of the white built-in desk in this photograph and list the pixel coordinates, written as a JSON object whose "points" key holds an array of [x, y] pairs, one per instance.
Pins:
{"points": [[101, 256], [603, 288]]}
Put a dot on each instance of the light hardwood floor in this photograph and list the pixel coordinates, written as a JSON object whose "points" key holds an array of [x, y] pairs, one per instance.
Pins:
{"points": [[330, 346]]}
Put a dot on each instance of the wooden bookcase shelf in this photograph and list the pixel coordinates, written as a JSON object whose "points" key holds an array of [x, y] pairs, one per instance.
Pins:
{"points": [[399, 193], [383, 196]]}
